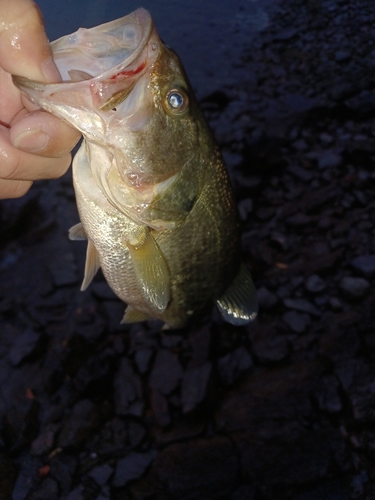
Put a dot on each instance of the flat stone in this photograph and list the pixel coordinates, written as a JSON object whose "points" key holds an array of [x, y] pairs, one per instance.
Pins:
{"points": [[194, 386], [23, 345], [196, 469], [83, 419], [365, 264], [354, 288], [128, 390], [315, 284], [301, 305], [296, 321], [269, 346], [132, 467], [266, 299], [166, 372], [233, 364], [101, 474], [159, 408], [142, 358]]}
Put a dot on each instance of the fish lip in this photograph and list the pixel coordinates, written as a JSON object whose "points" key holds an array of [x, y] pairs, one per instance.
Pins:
{"points": [[141, 17]]}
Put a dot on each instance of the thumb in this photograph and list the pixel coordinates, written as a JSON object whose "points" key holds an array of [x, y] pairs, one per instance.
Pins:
{"points": [[24, 47]]}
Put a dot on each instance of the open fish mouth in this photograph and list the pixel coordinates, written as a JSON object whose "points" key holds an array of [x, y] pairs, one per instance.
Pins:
{"points": [[102, 63]]}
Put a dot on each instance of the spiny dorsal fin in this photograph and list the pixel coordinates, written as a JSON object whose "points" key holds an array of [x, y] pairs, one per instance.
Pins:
{"points": [[77, 232], [239, 304], [91, 266]]}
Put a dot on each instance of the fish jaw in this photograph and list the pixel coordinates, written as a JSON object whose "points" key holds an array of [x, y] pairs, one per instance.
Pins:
{"points": [[99, 67]]}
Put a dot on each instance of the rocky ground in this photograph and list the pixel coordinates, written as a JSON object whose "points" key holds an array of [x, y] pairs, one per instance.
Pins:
{"points": [[281, 409]]}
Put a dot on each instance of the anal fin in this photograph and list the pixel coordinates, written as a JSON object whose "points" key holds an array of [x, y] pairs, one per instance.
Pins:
{"points": [[239, 304], [134, 316], [91, 266]]}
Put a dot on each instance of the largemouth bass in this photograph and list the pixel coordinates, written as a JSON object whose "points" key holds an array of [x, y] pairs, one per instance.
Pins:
{"points": [[152, 190]]}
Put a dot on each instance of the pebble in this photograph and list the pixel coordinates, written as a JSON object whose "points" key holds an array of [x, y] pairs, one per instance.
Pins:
{"points": [[266, 299], [268, 346], [142, 358], [127, 390], [354, 288], [101, 473], [296, 321], [365, 264], [301, 305], [23, 345], [315, 284], [132, 467], [159, 408], [233, 364], [166, 372], [48, 490], [194, 386], [83, 419]]}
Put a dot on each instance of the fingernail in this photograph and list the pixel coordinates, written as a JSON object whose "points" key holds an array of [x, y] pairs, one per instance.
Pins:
{"points": [[50, 71], [31, 141]]}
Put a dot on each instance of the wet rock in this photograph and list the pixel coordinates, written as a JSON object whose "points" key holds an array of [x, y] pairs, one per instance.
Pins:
{"points": [[194, 386], [233, 364], [27, 479], [166, 372], [44, 442], [265, 416], [83, 419], [365, 264], [200, 343], [328, 396], [112, 439], [48, 490], [357, 378], [159, 407], [142, 358], [101, 474], [62, 470], [136, 433], [128, 390], [23, 346], [268, 345], [315, 284], [301, 305], [7, 476], [201, 468], [244, 492], [354, 288], [63, 269], [132, 467], [21, 420], [245, 207], [296, 321], [266, 299]]}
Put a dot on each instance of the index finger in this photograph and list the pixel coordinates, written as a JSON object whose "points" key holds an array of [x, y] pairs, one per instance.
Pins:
{"points": [[24, 47]]}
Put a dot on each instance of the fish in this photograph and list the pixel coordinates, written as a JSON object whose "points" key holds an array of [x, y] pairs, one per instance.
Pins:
{"points": [[153, 195]]}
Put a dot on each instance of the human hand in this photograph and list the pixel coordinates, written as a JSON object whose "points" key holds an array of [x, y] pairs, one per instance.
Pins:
{"points": [[33, 144]]}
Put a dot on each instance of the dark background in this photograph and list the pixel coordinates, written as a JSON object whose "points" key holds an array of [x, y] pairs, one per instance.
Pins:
{"points": [[281, 409]]}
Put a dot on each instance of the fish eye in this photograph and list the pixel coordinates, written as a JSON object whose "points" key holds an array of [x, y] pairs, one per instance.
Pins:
{"points": [[177, 100]]}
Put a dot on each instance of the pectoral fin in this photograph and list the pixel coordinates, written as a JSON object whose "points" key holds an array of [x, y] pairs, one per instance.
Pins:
{"points": [[91, 266], [151, 270], [239, 304], [77, 232], [134, 316]]}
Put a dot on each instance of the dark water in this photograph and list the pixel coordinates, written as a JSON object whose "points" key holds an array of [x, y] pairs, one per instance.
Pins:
{"points": [[208, 39]]}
